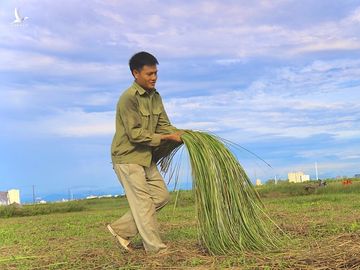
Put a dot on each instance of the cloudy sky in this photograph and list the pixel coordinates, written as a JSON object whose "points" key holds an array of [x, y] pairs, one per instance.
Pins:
{"points": [[280, 77]]}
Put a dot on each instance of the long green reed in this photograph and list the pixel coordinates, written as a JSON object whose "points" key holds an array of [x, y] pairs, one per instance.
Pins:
{"points": [[230, 214]]}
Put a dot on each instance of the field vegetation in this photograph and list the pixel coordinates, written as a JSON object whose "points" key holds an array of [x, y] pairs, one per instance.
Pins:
{"points": [[322, 229]]}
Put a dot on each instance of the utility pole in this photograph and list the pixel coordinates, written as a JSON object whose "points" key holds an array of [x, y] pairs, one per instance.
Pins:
{"points": [[70, 194], [33, 190], [316, 171]]}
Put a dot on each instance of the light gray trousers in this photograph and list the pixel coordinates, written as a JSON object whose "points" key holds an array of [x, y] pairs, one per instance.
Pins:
{"points": [[146, 193]]}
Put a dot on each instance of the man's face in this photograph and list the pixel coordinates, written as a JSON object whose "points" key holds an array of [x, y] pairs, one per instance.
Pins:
{"points": [[146, 77]]}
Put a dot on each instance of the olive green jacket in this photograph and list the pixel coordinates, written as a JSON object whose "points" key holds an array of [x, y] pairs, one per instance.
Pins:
{"points": [[140, 121]]}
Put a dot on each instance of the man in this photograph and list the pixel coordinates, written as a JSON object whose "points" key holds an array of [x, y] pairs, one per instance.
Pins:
{"points": [[142, 126]]}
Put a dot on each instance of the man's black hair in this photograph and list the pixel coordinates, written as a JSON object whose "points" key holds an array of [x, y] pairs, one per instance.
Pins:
{"points": [[140, 59]]}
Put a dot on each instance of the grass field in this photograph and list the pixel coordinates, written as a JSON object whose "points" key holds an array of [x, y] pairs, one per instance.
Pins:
{"points": [[323, 229]]}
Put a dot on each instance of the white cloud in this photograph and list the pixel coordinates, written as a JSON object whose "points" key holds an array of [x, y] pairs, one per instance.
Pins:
{"points": [[78, 123], [45, 64], [229, 61], [346, 152], [298, 102], [33, 98], [16, 98], [348, 134], [35, 38], [234, 29], [154, 21], [228, 30], [110, 14], [353, 17], [73, 122], [329, 45]]}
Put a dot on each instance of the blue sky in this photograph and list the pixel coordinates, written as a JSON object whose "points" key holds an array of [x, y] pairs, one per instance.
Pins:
{"points": [[280, 78]]}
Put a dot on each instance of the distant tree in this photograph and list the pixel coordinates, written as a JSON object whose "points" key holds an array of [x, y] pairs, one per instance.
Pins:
{"points": [[282, 181], [270, 182]]}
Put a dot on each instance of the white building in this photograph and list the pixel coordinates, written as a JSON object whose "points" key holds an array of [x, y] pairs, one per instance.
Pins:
{"points": [[258, 182], [9, 197], [91, 197], [298, 177]]}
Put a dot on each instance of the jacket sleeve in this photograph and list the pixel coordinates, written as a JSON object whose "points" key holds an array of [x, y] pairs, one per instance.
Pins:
{"points": [[130, 116]]}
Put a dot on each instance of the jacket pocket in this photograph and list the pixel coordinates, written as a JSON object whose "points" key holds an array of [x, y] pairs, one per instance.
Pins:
{"points": [[155, 118], [145, 117]]}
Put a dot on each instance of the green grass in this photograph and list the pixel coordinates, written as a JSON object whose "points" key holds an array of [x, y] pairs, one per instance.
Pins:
{"points": [[285, 189], [40, 209], [63, 207], [324, 231]]}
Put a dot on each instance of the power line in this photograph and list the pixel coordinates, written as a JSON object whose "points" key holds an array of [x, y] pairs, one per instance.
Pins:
{"points": [[33, 190]]}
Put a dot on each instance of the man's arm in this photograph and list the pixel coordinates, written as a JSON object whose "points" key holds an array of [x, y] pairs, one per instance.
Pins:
{"points": [[129, 114]]}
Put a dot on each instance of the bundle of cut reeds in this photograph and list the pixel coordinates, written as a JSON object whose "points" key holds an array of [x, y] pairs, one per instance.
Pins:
{"points": [[230, 214]]}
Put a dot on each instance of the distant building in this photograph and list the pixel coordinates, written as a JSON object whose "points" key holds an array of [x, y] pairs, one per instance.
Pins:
{"points": [[14, 196], [9, 197], [305, 177], [106, 196], [258, 182], [298, 177], [91, 197]]}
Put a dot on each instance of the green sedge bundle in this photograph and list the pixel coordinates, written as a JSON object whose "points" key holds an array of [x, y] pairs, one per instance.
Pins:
{"points": [[230, 214]]}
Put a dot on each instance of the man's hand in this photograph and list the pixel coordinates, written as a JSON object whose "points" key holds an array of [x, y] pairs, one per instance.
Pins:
{"points": [[175, 137]]}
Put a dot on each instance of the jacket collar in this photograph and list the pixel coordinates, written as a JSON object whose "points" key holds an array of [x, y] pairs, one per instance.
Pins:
{"points": [[141, 90]]}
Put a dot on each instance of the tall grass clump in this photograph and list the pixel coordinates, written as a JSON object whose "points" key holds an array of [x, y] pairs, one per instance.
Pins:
{"points": [[230, 214], [39, 209]]}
